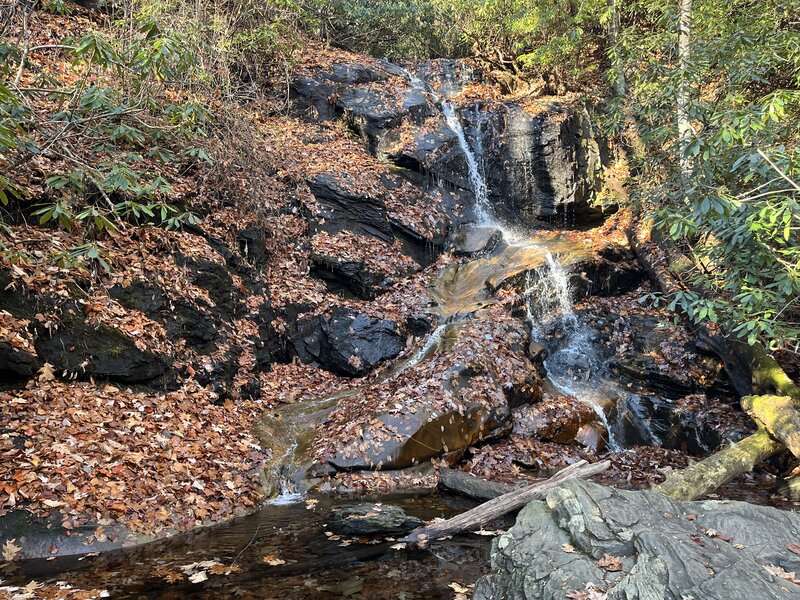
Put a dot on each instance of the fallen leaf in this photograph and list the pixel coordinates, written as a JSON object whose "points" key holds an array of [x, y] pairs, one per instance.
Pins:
{"points": [[198, 577], [11, 550], [46, 372], [610, 563], [458, 588], [273, 561]]}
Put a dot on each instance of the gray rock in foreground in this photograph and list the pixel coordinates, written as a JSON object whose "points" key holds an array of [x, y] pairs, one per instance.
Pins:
{"points": [[666, 549]]}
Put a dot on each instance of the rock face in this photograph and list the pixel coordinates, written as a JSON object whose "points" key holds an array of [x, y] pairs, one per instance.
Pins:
{"points": [[654, 548], [341, 209], [539, 161], [371, 519], [536, 165], [347, 342]]}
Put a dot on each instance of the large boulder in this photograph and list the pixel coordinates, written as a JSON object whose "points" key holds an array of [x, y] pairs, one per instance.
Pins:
{"points": [[79, 349], [347, 342], [624, 545], [458, 394]]}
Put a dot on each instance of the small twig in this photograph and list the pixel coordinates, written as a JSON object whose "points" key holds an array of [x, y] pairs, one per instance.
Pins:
{"points": [[250, 543]]}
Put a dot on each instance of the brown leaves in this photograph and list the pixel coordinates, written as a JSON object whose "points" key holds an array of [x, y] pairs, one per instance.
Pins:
{"points": [[128, 457], [782, 573], [610, 563], [272, 560]]}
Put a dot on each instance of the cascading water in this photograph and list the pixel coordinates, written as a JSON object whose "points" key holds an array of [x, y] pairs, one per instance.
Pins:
{"points": [[574, 368], [476, 178]]}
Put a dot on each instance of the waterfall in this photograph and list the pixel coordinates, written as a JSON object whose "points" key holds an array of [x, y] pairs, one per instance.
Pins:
{"points": [[476, 178], [575, 367]]}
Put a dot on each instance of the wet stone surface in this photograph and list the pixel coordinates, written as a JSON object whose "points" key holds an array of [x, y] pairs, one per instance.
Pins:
{"points": [[371, 519]]}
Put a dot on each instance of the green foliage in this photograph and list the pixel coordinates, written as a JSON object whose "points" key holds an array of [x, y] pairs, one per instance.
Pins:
{"points": [[736, 211]]}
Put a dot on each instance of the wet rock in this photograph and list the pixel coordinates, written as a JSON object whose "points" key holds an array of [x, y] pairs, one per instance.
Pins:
{"points": [[536, 165], [553, 420], [475, 240], [659, 548], [347, 342], [645, 363], [371, 519], [421, 435], [342, 209], [44, 538], [17, 362], [691, 424], [459, 394], [614, 272], [80, 350]]}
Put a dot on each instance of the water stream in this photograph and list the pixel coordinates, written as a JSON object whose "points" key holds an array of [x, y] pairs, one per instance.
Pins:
{"points": [[574, 366]]}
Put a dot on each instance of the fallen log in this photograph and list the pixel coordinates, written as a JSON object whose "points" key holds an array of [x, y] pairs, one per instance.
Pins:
{"points": [[497, 507], [460, 482], [779, 416], [704, 477]]}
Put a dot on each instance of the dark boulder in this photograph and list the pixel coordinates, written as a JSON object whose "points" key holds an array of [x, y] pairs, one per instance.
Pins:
{"points": [[82, 350], [347, 342], [371, 519], [645, 364], [343, 209], [625, 545], [17, 362], [614, 272], [182, 319]]}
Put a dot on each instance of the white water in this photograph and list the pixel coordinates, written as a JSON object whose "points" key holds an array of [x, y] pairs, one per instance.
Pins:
{"points": [[575, 367], [476, 178]]}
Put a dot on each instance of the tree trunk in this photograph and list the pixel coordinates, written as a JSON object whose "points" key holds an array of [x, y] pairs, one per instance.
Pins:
{"points": [[488, 511], [705, 476], [469, 485], [684, 98], [620, 86], [779, 415]]}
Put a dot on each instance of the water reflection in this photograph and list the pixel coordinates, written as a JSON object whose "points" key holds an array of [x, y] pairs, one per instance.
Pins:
{"points": [[282, 552]]}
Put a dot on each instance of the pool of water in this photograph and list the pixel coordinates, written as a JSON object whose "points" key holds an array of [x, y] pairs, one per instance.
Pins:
{"points": [[285, 552]]}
